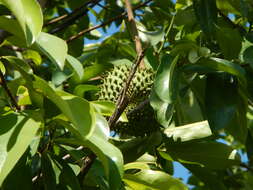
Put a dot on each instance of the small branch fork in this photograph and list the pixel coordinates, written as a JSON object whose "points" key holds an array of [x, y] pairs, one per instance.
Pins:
{"points": [[122, 15], [7, 90], [76, 14]]}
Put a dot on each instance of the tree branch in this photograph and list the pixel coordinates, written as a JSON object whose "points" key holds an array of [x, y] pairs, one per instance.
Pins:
{"points": [[123, 99], [76, 14], [81, 33], [7, 90], [134, 30]]}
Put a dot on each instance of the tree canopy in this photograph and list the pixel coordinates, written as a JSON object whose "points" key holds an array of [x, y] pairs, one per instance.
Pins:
{"points": [[183, 75]]}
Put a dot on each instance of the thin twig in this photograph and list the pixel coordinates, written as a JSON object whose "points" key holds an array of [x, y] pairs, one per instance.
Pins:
{"points": [[7, 90], [87, 163], [246, 166], [166, 34], [231, 22], [123, 99], [122, 15], [76, 15], [75, 11], [134, 30]]}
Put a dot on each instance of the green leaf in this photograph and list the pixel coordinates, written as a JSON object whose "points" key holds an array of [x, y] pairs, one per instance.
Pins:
{"points": [[248, 56], [76, 66], [206, 12], [10, 25], [102, 128], [151, 179], [82, 88], [53, 47], [163, 110], [49, 175], [151, 37], [225, 66], [32, 55], [67, 176], [189, 132], [111, 158], [226, 107], [108, 154], [229, 6], [16, 133], [212, 155], [227, 38], [107, 108], [29, 16], [77, 109], [164, 82], [210, 178], [132, 149], [20, 174]]}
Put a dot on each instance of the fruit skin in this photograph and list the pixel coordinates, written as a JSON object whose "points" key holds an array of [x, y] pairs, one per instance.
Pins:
{"points": [[140, 122]]}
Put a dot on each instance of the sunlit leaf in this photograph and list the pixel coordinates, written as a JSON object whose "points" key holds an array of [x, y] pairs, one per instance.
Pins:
{"points": [[29, 16], [53, 47]]}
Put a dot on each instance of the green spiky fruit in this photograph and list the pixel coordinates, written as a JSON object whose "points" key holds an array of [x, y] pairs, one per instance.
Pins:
{"points": [[141, 122]]}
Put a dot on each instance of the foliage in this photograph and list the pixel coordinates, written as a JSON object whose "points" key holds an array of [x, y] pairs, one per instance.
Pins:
{"points": [[54, 129]]}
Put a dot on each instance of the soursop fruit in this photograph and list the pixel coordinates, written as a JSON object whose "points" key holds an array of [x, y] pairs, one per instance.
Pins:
{"points": [[141, 122]]}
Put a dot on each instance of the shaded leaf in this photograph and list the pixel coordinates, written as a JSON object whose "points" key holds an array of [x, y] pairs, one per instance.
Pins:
{"points": [[15, 137], [206, 12], [212, 155], [227, 38], [225, 106]]}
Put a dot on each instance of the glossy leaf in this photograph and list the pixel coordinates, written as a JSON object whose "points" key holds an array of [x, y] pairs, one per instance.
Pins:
{"points": [[108, 154], [107, 108], [225, 66], [212, 155], [78, 110], [189, 132], [15, 136], [111, 158], [76, 66], [29, 16], [82, 88], [102, 128], [151, 179], [53, 47], [164, 110], [164, 82]]}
